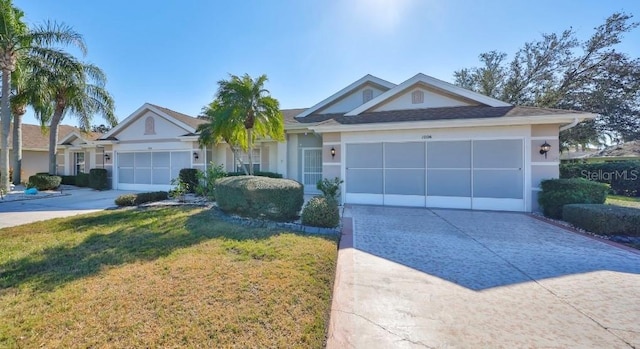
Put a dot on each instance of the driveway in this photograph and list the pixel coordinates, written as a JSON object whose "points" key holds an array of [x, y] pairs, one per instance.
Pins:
{"points": [[75, 201], [425, 278]]}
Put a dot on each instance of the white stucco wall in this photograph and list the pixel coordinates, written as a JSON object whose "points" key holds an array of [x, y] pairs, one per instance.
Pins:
{"points": [[431, 100], [350, 101], [163, 129]]}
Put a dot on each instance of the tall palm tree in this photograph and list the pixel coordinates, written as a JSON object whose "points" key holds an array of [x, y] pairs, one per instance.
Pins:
{"points": [[16, 41], [242, 110], [80, 91]]}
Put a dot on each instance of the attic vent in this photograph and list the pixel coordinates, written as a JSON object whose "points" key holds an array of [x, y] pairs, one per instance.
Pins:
{"points": [[149, 126], [417, 97], [367, 95]]}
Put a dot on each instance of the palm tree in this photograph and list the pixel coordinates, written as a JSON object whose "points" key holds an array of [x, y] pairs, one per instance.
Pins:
{"points": [[16, 41], [242, 111], [78, 90]]}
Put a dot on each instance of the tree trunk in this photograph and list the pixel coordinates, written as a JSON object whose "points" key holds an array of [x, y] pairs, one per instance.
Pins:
{"points": [[5, 117], [53, 139], [17, 148], [250, 144]]}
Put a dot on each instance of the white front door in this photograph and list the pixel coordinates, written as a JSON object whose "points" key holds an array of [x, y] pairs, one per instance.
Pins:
{"points": [[311, 168]]}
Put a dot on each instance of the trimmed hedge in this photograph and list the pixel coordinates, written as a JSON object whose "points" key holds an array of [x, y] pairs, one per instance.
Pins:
{"points": [[322, 212], [141, 198], [82, 179], [604, 219], [68, 180], [257, 174], [98, 179], [189, 176], [44, 182], [623, 176], [559, 192], [253, 196]]}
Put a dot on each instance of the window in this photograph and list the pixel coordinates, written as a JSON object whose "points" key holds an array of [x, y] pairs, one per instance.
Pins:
{"points": [[417, 97], [78, 163], [149, 126], [367, 95], [245, 160]]}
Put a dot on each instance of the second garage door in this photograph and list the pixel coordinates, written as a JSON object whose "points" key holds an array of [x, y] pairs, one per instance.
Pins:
{"points": [[150, 170], [472, 174]]}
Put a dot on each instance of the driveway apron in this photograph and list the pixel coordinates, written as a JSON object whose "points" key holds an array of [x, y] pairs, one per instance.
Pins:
{"points": [[420, 278]]}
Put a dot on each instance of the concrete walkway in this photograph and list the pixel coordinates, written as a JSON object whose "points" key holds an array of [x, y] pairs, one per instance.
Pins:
{"points": [[72, 202], [419, 278]]}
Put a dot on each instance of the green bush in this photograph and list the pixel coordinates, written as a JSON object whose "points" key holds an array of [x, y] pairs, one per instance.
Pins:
{"points": [[321, 211], [189, 176], [44, 182], [604, 219], [98, 179], [559, 192], [207, 181], [252, 196], [141, 198], [82, 179], [68, 180], [257, 173], [622, 176], [330, 188]]}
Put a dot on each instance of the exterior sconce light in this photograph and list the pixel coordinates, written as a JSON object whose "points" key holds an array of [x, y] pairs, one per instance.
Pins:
{"points": [[107, 157], [333, 152], [196, 156], [544, 149]]}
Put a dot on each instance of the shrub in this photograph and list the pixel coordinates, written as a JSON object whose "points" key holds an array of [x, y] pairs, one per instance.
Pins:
{"points": [[321, 211], [179, 190], [189, 176], [604, 219], [623, 176], [559, 192], [68, 180], [44, 182], [141, 198], [330, 188], [82, 179], [98, 179], [252, 196], [207, 181], [257, 173]]}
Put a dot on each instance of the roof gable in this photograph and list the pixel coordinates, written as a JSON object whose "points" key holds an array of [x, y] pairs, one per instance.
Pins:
{"points": [[184, 123], [352, 90], [435, 94]]}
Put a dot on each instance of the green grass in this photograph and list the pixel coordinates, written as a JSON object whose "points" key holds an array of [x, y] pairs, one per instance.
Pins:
{"points": [[619, 200], [163, 277]]}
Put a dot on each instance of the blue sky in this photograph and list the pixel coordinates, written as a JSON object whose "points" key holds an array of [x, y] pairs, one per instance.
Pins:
{"points": [[172, 53]]}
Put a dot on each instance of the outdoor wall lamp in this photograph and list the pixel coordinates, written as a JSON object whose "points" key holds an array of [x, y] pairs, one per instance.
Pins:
{"points": [[196, 156], [333, 152], [544, 149], [107, 157]]}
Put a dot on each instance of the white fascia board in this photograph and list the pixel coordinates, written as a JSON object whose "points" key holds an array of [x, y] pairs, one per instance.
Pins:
{"points": [[129, 119], [346, 90], [188, 138], [429, 81], [455, 123], [69, 136]]}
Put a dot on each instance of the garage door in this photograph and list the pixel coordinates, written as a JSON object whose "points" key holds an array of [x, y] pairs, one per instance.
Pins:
{"points": [[150, 170], [471, 174]]}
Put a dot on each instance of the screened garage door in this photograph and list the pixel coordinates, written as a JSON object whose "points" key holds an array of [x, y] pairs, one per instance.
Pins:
{"points": [[471, 174], [150, 170]]}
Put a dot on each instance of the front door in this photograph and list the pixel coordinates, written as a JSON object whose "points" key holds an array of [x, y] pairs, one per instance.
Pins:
{"points": [[311, 168]]}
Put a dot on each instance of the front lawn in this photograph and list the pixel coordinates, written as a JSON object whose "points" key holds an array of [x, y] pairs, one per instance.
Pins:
{"points": [[619, 200], [163, 277]]}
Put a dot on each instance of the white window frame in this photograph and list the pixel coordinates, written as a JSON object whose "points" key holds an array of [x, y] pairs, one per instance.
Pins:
{"points": [[257, 160], [78, 167]]}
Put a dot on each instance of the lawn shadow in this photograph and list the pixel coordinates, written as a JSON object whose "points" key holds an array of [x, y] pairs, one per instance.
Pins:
{"points": [[158, 236]]}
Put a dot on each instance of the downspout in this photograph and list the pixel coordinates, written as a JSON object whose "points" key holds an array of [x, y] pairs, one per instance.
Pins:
{"points": [[568, 126]]}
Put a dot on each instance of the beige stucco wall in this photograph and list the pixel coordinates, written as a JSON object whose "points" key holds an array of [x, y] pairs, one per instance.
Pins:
{"points": [[163, 129], [543, 167], [431, 100], [545, 130], [32, 163], [351, 101]]}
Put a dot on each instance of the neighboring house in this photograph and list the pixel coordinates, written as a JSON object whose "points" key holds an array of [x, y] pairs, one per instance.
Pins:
{"points": [[423, 143], [35, 148]]}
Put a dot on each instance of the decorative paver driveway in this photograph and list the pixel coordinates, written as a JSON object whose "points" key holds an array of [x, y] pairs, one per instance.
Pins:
{"points": [[454, 278]]}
